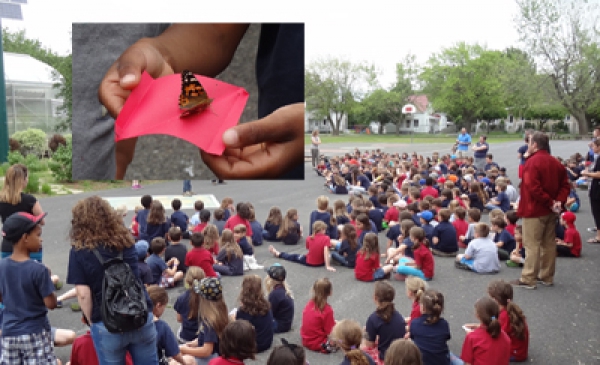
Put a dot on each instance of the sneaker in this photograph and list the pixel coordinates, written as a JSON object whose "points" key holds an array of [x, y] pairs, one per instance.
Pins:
{"points": [[592, 230], [518, 283], [540, 281], [59, 304], [510, 263]]}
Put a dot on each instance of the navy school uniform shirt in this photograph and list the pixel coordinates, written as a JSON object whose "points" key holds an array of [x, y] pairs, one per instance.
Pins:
{"points": [[376, 216], [428, 228], [374, 199], [157, 266], [409, 245], [507, 239], [504, 201], [417, 220], [145, 273], [220, 226], [207, 334], [272, 230], [446, 233], [387, 332], [432, 340], [393, 233], [226, 214], [445, 203], [235, 263], [324, 217], [85, 269], [332, 232], [350, 254], [263, 325], [364, 181], [142, 219], [155, 230], [245, 246], [282, 307], [180, 219], [189, 327], [179, 251], [342, 219], [257, 238], [23, 286], [166, 343]]}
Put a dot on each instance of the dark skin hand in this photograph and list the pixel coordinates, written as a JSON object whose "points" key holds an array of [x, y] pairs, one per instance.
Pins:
{"points": [[265, 148]]}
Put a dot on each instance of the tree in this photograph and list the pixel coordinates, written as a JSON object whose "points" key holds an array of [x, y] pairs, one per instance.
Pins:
{"points": [[332, 87], [19, 43], [563, 38], [464, 81], [544, 113], [520, 81]]}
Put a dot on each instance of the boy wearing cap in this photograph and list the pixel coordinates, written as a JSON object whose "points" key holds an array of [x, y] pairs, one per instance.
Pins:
{"points": [[280, 298], [571, 245], [141, 247], [27, 293], [425, 217]]}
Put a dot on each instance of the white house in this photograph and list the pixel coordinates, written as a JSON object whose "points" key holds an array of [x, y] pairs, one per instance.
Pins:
{"points": [[322, 125], [425, 120], [512, 124]]}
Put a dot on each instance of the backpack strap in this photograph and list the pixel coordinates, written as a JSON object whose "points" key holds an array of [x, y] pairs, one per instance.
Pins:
{"points": [[99, 256]]}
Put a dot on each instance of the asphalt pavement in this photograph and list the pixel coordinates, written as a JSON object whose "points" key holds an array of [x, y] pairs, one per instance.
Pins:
{"points": [[564, 320]]}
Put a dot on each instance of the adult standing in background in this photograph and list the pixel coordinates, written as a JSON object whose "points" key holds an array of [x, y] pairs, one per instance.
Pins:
{"points": [[595, 136], [481, 149], [14, 200], [463, 140], [594, 177], [314, 150], [544, 190], [523, 152]]}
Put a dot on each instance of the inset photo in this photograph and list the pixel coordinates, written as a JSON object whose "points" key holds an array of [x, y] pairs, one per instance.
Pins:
{"points": [[188, 101]]}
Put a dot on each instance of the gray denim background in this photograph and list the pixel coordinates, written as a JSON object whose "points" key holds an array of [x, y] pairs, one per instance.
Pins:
{"points": [[157, 157]]}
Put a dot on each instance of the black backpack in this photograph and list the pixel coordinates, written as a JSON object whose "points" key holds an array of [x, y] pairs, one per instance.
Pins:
{"points": [[123, 304]]}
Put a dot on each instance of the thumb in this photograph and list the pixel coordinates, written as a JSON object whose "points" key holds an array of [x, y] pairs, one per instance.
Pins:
{"points": [[130, 66]]}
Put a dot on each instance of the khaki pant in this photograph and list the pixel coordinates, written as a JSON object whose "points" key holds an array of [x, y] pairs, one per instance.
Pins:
{"points": [[540, 249]]}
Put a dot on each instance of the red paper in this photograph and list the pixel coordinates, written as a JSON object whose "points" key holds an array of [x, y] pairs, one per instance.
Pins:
{"points": [[153, 108]]}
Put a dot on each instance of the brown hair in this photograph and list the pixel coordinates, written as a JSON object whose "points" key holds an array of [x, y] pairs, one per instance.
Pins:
{"points": [[238, 340], [225, 203], [482, 229], [477, 189], [275, 216], [488, 312], [194, 273], [349, 231], [385, 293], [175, 233], [405, 227], [433, 305], [319, 226], [229, 245], [370, 245], [542, 141], [322, 202], [474, 214], [157, 245], [158, 295], [418, 234], [502, 292], [417, 286], [287, 354], [320, 291], [460, 213], [95, 222], [213, 313], [288, 223], [403, 352], [444, 214], [211, 235], [157, 213], [252, 298], [14, 181], [348, 335], [498, 222]]}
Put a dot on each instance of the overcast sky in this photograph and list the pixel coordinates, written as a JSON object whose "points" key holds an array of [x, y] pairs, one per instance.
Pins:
{"points": [[380, 32]]}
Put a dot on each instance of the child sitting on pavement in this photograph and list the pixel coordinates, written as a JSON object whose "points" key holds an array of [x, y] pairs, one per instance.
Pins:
{"points": [[164, 274], [481, 255]]}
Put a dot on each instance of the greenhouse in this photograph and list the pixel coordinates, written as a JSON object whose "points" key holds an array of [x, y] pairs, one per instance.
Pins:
{"points": [[31, 100]]}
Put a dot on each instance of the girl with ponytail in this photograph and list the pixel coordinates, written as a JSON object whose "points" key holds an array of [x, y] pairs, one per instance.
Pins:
{"points": [[347, 335], [512, 320], [385, 324], [486, 344]]}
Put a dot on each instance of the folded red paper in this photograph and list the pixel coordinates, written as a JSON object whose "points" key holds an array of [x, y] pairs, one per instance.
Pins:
{"points": [[152, 108]]}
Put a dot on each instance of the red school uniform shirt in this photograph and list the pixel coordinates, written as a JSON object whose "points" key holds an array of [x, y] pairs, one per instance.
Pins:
{"points": [[135, 227], [461, 226], [83, 351], [392, 215], [511, 229], [518, 348], [573, 236], [429, 190], [200, 227], [480, 348], [415, 312], [201, 257], [316, 249], [234, 220], [365, 268], [316, 325], [424, 260]]}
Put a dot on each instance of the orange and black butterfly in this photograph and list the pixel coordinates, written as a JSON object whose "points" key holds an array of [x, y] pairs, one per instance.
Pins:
{"points": [[193, 98]]}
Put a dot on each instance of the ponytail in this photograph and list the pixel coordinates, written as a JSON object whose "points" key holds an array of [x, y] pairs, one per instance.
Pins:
{"points": [[488, 312], [357, 357], [494, 328], [517, 320]]}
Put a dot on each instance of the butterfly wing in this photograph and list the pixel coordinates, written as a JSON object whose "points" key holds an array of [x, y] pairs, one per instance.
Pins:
{"points": [[193, 97]]}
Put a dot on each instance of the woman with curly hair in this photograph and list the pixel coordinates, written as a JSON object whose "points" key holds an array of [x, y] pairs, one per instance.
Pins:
{"points": [[14, 200], [96, 225], [255, 308]]}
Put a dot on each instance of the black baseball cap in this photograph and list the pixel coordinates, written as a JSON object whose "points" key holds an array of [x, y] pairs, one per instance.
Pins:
{"points": [[20, 223], [276, 272]]}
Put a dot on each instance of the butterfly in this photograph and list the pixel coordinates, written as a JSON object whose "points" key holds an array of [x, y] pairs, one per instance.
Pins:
{"points": [[193, 97]]}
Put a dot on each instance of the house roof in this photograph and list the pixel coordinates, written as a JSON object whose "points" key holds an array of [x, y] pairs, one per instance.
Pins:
{"points": [[24, 68], [420, 101]]}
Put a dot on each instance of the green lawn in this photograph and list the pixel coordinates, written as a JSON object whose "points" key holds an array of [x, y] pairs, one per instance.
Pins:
{"points": [[404, 138]]}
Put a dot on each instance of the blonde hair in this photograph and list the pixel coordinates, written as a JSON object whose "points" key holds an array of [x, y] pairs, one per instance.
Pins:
{"points": [[211, 235], [229, 245], [213, 313], [193, 273], [14, 181], [122, 210], [270, 284], [322, 202], [496, 213], [416, 286], [348, 335]]}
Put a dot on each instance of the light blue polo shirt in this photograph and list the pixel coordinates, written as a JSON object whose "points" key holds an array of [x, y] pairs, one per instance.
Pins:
{"points": [[464, 138]]}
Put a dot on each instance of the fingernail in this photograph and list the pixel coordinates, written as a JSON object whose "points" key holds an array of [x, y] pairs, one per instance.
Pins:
{"points": [[127, 79], [230, 137]]}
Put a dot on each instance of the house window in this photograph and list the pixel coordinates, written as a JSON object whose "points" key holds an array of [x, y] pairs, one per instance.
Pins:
{"points": [[511, 119], [324, 122], [408, 124], [416, 123]]}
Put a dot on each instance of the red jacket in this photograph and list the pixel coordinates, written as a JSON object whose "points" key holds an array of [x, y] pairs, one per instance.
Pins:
{"points": [[544, 181]]}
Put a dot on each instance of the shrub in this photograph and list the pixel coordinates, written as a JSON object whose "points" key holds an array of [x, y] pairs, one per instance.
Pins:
{"points": [[61, 163], [33, 184], [15, 157], [13, 144], [33, 141], [483, 126], [34, 164], [502, 126], [55, 141], [561, 127], [529, 125], [46, 189]]}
